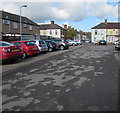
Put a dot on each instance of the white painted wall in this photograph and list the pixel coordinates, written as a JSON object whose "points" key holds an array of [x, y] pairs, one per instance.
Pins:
{"points": [[53, 34], [101, 35]]}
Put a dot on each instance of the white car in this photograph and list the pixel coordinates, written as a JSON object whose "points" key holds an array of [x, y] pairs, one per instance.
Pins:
{"points": [[87, 40], [116, 41], [72, 43], [95, 42]]}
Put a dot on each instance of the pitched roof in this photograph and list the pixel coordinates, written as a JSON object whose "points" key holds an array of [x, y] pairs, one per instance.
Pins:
{"points": [[50, 26], [15, 18], [109, 25]]}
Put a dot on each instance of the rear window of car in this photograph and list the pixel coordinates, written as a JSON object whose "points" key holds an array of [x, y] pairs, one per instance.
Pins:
{"points": [[5, 44], [42, 42], [29, 43], [17, 43], [57, 40], [47, 42]]}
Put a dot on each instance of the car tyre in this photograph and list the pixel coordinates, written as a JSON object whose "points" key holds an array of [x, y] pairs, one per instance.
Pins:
{"points": [[62, 47], [24, 55], [73, 44]]}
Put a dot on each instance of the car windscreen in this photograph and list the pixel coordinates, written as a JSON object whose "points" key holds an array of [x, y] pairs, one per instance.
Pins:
{"points": [[5, 44], [17, 43], [29, 43], [52, 42]]}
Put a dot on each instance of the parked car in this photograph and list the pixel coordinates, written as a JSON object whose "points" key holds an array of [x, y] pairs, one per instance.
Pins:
{"points": [[116, 41], [28, 47], [42, 45], [9, 52], [72, 43], [62, 44], [88, 40], [78, 42], [102, 42], [117, 45], [52, 46], [95, 42]]}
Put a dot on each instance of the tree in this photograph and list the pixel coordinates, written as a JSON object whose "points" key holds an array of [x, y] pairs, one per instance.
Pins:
{"points": [[88, 34], [71, 33]]}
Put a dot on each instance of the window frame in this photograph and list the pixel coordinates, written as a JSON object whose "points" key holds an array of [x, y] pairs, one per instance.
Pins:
{"points": [[96, 32], [14, 25], [6, 22], [30, 27]]}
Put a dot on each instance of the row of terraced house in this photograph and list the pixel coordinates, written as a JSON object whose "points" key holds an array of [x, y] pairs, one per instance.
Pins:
{"points": [[10, 29], [108, 31]]}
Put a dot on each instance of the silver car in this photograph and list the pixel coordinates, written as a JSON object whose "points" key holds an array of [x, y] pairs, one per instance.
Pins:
{"points": [[62, 44], [42, 45]]}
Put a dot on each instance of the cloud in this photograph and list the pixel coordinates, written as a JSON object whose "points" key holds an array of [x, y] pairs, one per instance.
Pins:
{"points": [[74, 11], [100, 10]]}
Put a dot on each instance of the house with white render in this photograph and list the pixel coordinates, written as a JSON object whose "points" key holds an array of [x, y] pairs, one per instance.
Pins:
{"points": [[108, 31]]}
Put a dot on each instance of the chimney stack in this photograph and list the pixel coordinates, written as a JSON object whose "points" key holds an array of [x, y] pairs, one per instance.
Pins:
{"points": [[65, 26], [69, 27], [52, 22], [105, 21], [73, 28]]}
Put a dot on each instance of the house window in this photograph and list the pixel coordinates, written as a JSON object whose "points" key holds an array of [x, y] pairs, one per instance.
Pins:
{"points": [[25, 25], [94, 38], [95, 32], [37, 27], [112, 38], [110, 31], [116, 32], [6, 22], [50, 32], [56, 32], [109, 39], [44, 32], [14, 25], [30, 28]]}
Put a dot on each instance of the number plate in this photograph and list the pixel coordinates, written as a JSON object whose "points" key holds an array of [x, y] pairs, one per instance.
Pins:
{"points": [[34, 48], [15, 50]]}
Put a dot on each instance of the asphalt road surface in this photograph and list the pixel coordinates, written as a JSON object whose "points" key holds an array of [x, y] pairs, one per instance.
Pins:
{"points": [[82, 79]]}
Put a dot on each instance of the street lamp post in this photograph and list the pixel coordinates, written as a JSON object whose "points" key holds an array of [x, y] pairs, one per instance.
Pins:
{"points": [[21, 21]]}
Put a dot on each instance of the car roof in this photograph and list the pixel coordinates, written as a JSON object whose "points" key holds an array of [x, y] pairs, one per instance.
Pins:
{"points": [[21, 41]]}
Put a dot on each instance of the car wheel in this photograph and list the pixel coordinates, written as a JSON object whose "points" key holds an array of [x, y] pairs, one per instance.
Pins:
{"points": [[73, 44], [61, 47], [116, 48], [50, 50], [24, 55]]}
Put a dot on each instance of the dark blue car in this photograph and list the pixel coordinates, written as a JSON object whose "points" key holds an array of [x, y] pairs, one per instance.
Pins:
{"points": [[102, 42]]}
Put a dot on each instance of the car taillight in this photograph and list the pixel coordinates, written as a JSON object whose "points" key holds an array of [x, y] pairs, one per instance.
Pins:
{"points": [[53, 45], [6, 50], [64, 42]]}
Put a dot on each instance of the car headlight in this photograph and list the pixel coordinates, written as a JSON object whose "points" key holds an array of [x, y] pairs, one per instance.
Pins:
{"points": [[6, 50]]}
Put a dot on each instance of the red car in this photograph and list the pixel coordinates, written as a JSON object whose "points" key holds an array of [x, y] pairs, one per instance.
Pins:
{"points": [[28, 47], [9, 52]]}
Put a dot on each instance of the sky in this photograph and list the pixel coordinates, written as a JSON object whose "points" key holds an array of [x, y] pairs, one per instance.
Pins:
{"points": [[79, 14]]}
